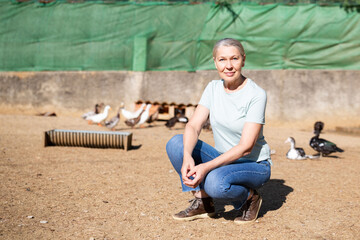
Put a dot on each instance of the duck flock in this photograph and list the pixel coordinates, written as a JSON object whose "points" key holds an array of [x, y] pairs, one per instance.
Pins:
{"points": [[132, 119], [142, 115], [322, 146]]}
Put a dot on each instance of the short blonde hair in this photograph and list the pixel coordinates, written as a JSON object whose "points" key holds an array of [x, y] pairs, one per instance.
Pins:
{"points": [[229, 42]]}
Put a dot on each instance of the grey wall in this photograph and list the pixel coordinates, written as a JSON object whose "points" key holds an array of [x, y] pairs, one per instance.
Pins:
{"points": [[294, 96]]}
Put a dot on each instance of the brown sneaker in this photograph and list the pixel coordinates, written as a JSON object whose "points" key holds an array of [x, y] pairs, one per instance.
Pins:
{"points": [[199, 208], [250, 210]]}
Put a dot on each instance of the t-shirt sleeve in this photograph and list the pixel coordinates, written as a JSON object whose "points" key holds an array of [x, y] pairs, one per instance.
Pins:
{"points": [[205, 99], [256, 111]]}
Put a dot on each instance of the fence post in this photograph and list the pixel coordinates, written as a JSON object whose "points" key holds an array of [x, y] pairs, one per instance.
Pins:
{"points": [[139, 54]]}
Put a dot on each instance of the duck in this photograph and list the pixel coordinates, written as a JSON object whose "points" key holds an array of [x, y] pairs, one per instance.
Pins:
{"points": [[97, 110], [131, 115], [98, 118], [133, 121], [172, 121], [322, 146], [296, 153], [318, 127], [113, 122], [144, 115], [153, 117]]}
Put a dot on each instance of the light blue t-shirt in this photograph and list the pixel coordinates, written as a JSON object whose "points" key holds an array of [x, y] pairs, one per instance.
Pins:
{"points": [[230, 111]]}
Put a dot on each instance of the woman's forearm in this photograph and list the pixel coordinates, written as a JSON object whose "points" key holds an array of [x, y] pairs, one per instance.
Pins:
{"points": [[193, 129], [228, 157], [190, 139]]}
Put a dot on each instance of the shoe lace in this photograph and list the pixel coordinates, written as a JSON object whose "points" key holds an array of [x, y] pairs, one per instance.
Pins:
{"points": [[194, 204]]}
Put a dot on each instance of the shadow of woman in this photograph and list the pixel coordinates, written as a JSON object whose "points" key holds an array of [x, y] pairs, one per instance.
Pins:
{"points": [[273, 193]]}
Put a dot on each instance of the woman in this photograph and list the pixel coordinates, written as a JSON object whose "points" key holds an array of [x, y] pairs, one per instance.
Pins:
{"points": [[240, 161]]}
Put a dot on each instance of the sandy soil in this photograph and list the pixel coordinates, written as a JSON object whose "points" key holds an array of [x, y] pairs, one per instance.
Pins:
{"points": [[88, 193]]}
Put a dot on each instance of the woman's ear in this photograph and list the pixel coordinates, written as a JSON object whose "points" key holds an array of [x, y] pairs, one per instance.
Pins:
{"points": [[215, 62], [243, 60]]}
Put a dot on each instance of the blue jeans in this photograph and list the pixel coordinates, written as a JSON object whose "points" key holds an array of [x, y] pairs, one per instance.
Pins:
{"points": [[231, 182]]}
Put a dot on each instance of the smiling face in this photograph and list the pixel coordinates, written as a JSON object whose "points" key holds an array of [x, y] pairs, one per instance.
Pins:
{"points": [[229, 62]]}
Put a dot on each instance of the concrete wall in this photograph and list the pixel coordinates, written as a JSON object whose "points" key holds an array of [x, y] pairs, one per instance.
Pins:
{"points": [[294, 96]]}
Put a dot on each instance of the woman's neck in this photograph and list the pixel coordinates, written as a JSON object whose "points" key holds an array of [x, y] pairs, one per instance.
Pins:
{"points": [[235, 85]]}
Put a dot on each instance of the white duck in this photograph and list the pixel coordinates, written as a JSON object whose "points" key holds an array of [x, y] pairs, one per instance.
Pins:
{"points": [[296, 153], [145, 115], [98, 118], [98, 108], [130, 115], [133, 121]]}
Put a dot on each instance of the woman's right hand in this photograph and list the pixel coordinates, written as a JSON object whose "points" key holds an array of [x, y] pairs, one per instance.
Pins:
{"points": [[188, 164]]}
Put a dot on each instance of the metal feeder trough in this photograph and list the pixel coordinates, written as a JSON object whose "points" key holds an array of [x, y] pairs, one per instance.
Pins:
{"points": [[93, 139]]}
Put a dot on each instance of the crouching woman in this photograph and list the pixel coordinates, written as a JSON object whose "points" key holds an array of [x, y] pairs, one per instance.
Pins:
{"points": [[240, 162]]}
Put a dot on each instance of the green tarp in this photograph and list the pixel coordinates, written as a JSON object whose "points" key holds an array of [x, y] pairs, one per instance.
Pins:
{"points": [[160, 37]]}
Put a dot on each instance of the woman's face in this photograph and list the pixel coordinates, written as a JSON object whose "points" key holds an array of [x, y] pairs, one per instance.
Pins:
{"points": [[228, 62]]}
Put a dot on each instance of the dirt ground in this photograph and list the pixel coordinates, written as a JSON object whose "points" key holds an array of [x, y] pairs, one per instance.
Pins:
{"points": [[89, 193]]}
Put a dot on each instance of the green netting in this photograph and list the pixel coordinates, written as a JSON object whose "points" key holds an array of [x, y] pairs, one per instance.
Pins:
{"points": [[159, 37], [320, 2]]}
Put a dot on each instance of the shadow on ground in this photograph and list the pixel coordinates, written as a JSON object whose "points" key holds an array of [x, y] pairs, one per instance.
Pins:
{"points": [[274, 194]]}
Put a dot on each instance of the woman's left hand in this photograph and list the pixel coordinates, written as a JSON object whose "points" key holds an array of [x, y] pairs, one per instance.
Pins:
{"points": [[198, 174]]}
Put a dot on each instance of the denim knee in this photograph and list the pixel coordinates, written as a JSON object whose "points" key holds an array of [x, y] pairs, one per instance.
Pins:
{"points": [[217, 186], [213, 185], [175, 143], [175, 151]]}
